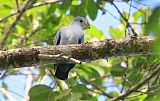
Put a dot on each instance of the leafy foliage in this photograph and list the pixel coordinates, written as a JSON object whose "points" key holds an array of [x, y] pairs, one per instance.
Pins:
{"points": [[87, 81]]}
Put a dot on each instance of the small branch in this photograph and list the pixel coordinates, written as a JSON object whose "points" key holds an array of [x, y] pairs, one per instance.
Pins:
{"points": [[125, 19], [134, 89], [28, 84], [6, 93], [12, 91], [96, 87], [34, 6], [56, 81], [24, 39], [17, 6], [44, 56]]}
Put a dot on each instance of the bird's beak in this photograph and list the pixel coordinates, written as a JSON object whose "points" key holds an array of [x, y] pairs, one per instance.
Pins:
{"points": [[88, 25]]}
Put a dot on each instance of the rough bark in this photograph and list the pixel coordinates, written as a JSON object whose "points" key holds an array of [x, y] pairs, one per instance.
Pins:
{"points": [[82, 52]]}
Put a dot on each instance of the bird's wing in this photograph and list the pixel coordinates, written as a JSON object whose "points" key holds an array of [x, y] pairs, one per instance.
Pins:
{"points": [[57, 38], [81, 39]]}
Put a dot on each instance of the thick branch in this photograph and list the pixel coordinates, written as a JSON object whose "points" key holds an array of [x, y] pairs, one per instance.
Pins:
{"points": [[82, 52]]}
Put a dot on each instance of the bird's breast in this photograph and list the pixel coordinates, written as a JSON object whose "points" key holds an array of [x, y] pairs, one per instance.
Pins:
{"points": [[71, 36]]}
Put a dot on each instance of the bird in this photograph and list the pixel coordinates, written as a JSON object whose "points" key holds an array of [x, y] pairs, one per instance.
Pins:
{"points": [[71, 34]]}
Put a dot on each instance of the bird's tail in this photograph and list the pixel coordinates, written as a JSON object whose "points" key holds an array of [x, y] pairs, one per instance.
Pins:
{"points": [[62, 70]]}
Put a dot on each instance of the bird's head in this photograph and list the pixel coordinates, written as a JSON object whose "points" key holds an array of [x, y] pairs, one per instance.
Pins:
{"points": [[81, 21]]}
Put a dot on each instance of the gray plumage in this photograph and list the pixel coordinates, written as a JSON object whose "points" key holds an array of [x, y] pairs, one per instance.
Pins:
{"points": [[72, 34]]}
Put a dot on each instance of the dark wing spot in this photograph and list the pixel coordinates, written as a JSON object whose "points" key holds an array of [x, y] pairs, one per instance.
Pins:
{"points": [[79, 41], [58, 41]]}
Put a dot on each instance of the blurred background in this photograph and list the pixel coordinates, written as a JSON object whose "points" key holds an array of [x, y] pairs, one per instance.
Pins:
{"points": [[35, 22]]}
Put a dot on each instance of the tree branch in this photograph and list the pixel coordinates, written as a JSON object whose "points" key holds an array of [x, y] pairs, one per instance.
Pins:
{"points": [[6, 34], [28, 56]]}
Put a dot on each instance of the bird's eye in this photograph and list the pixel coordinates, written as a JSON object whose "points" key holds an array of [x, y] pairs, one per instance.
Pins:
{"points": [[81, 21]]}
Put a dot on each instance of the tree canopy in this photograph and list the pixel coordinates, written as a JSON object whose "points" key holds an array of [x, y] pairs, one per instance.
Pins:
{"points": [[128, 66]]}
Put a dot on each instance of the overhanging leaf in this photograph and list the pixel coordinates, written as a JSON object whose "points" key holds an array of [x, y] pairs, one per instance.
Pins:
{"points": [[153, 25], [92, 9]]}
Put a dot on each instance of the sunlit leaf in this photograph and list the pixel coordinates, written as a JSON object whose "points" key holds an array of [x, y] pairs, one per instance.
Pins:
{"points": [[117, 32], [40, 93], [94, 34], [153, 25]]}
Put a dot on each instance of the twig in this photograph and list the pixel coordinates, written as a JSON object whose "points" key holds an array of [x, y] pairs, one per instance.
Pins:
{"points": [[143, 23], [34, 6], [125, 75], [129, 10], [53, 76], [11, 91], [101, 91], [140, 3], [139, 71], [45, 56], [105, 10], [6, 34], [18, 10], [26, 38], [128, 25], [142, 93], [72, 59], [114, 16], [5, 92], [122, 96], [4, 75], [28, 85]]}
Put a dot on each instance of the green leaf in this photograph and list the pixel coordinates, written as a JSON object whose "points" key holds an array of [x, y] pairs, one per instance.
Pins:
{"points": [[65, 5], [152, 97], [64, 94], [117, 32], [75, 96], [139, 61], [94, 33], [86, 97], [7, 7], [116, 69], [92, 9], [153, 25], [80, 88], [138, 14], [134, 77], [88, 72], [12, 71], [40, 93], [76, 2], [78, 10], [72, 81], [33, 1], [4, 85], [139, 98]]}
